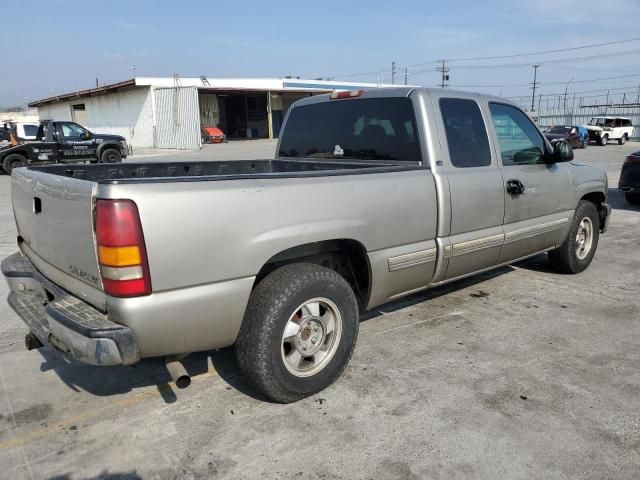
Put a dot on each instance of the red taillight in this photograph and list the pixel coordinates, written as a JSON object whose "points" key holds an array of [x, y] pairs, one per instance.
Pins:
{"points": [[632, 159], [346, 94], [121, 250]]}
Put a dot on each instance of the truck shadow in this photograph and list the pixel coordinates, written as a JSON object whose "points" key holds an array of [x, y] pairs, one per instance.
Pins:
{"points": [[106, 381], [618, 202]]}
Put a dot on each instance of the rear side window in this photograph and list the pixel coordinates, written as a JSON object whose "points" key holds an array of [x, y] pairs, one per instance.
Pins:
{"points": [[362, 128], [31, 130], [466, 133]]}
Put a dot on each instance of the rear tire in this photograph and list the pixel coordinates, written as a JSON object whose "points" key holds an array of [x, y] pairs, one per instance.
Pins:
{"points": [[15, 160], [604, 140], [298, 332], [110, 155], [578, 249], [622, 140], [632, 197]]}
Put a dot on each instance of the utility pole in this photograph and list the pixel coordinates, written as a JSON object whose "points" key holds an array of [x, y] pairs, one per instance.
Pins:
{"points": [[535, 76], [406, 75], [445, 73], [393, 73], [565, 101]]}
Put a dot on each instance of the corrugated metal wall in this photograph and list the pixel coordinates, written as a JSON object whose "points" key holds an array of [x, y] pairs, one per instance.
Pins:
{"points": [[128, 113], [209, 110], [177, 118]]}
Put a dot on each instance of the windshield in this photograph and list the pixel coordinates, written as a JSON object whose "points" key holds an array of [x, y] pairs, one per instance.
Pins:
{"points": [[602, 122], [559, 129], [368, 128]]}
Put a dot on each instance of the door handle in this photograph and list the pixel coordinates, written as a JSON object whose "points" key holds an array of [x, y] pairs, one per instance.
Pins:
{"points": [[515, 187]]}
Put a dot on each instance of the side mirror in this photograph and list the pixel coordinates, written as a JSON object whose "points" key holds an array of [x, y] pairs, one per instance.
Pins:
{"points": [[87, 136], [562, 152]]}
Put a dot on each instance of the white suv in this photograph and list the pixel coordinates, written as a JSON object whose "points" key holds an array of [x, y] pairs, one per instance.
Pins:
{"points": [[603, 129]]}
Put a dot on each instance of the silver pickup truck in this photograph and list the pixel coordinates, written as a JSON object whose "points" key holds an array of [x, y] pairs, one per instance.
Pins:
{"points": [[372, 196]]}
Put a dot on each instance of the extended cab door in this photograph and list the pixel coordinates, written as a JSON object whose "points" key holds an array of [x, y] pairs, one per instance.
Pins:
{"points": [[75, 142], [536, 193], [475, 185]]}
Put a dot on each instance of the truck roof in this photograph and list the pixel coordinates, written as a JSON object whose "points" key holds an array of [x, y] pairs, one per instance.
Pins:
{"points": [[402, 92]]}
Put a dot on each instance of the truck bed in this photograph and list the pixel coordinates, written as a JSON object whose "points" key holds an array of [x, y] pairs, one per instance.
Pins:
{"points": [[139, 172]]}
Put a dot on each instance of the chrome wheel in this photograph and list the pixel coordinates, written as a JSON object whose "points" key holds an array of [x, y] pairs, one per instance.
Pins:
{"points": [[311, 337], [584, 238]]}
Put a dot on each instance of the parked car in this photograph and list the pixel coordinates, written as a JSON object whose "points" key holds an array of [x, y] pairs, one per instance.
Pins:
{"points": [[568, 133], [629, 182], [23, 130], [64, 142], [372, 196], [603, 129]]}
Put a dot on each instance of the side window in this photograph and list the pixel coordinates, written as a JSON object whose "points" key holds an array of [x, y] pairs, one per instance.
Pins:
{"points": [[520, 142], [72, 130], [31, 130], [466, 133]]}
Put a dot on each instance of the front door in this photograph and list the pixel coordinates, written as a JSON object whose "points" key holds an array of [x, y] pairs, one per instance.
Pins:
{"points": [[475, 186], [75, 142], [536, 193]]}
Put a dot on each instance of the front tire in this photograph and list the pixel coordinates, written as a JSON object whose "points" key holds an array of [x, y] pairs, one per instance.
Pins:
{"points": [[604, 140], [298, 332], [622, 140], [578, 249], [632, 197], [111, 155], [12, 161]]}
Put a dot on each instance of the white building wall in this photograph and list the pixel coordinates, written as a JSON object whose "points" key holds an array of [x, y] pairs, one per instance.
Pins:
{"points": [[128, 113]]}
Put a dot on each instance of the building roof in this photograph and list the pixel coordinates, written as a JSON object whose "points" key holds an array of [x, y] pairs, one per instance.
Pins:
{"points": [[214, 84]]}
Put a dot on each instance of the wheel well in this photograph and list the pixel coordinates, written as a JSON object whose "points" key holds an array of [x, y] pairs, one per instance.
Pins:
{"points": [[597, 198], [346, 257]]}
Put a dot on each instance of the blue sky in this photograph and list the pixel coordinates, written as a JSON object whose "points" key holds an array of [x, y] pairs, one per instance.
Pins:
{"points": [[57, 46]]}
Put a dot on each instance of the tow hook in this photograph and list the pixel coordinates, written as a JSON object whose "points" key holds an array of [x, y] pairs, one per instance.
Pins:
{"points": [[177, 371]]}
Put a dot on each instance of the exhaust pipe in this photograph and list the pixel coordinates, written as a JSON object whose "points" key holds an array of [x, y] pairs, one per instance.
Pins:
{"points": [[177, 371], [626, 189]]}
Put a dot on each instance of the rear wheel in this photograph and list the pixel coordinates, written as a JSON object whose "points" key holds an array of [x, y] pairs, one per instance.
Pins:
{"points": [[12, 161], [111, 155], [632, 197], [623, 139], [298, 332], [604, 140], [578, 249]]}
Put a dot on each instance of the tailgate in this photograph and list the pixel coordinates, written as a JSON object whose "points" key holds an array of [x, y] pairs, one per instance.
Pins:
{"points": [[54, 217]]}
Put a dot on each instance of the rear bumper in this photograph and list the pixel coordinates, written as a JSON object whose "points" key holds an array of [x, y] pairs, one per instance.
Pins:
{"points": [[629, 177], [65, 322]]}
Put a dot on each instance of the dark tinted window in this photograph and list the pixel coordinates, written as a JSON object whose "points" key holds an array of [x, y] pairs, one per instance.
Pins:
{"points": [[366, 128], [466, 133], [520, 142], [31, 130]]}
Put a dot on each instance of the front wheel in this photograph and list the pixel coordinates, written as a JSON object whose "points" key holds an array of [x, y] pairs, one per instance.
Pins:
{"points": [[111, 155], [604, 140], [13, 161], [578, 249], [298, 332]]}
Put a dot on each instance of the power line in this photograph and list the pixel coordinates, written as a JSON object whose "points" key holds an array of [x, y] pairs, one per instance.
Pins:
{"points": [[548, 83], [515, 55], [542, 52]]}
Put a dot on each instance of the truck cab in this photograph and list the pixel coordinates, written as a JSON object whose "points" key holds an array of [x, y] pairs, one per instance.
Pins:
{"points": [[64, 142]]}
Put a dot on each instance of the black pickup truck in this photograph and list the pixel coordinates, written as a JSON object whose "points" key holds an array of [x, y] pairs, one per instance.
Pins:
{"points": [[63, 142]]}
